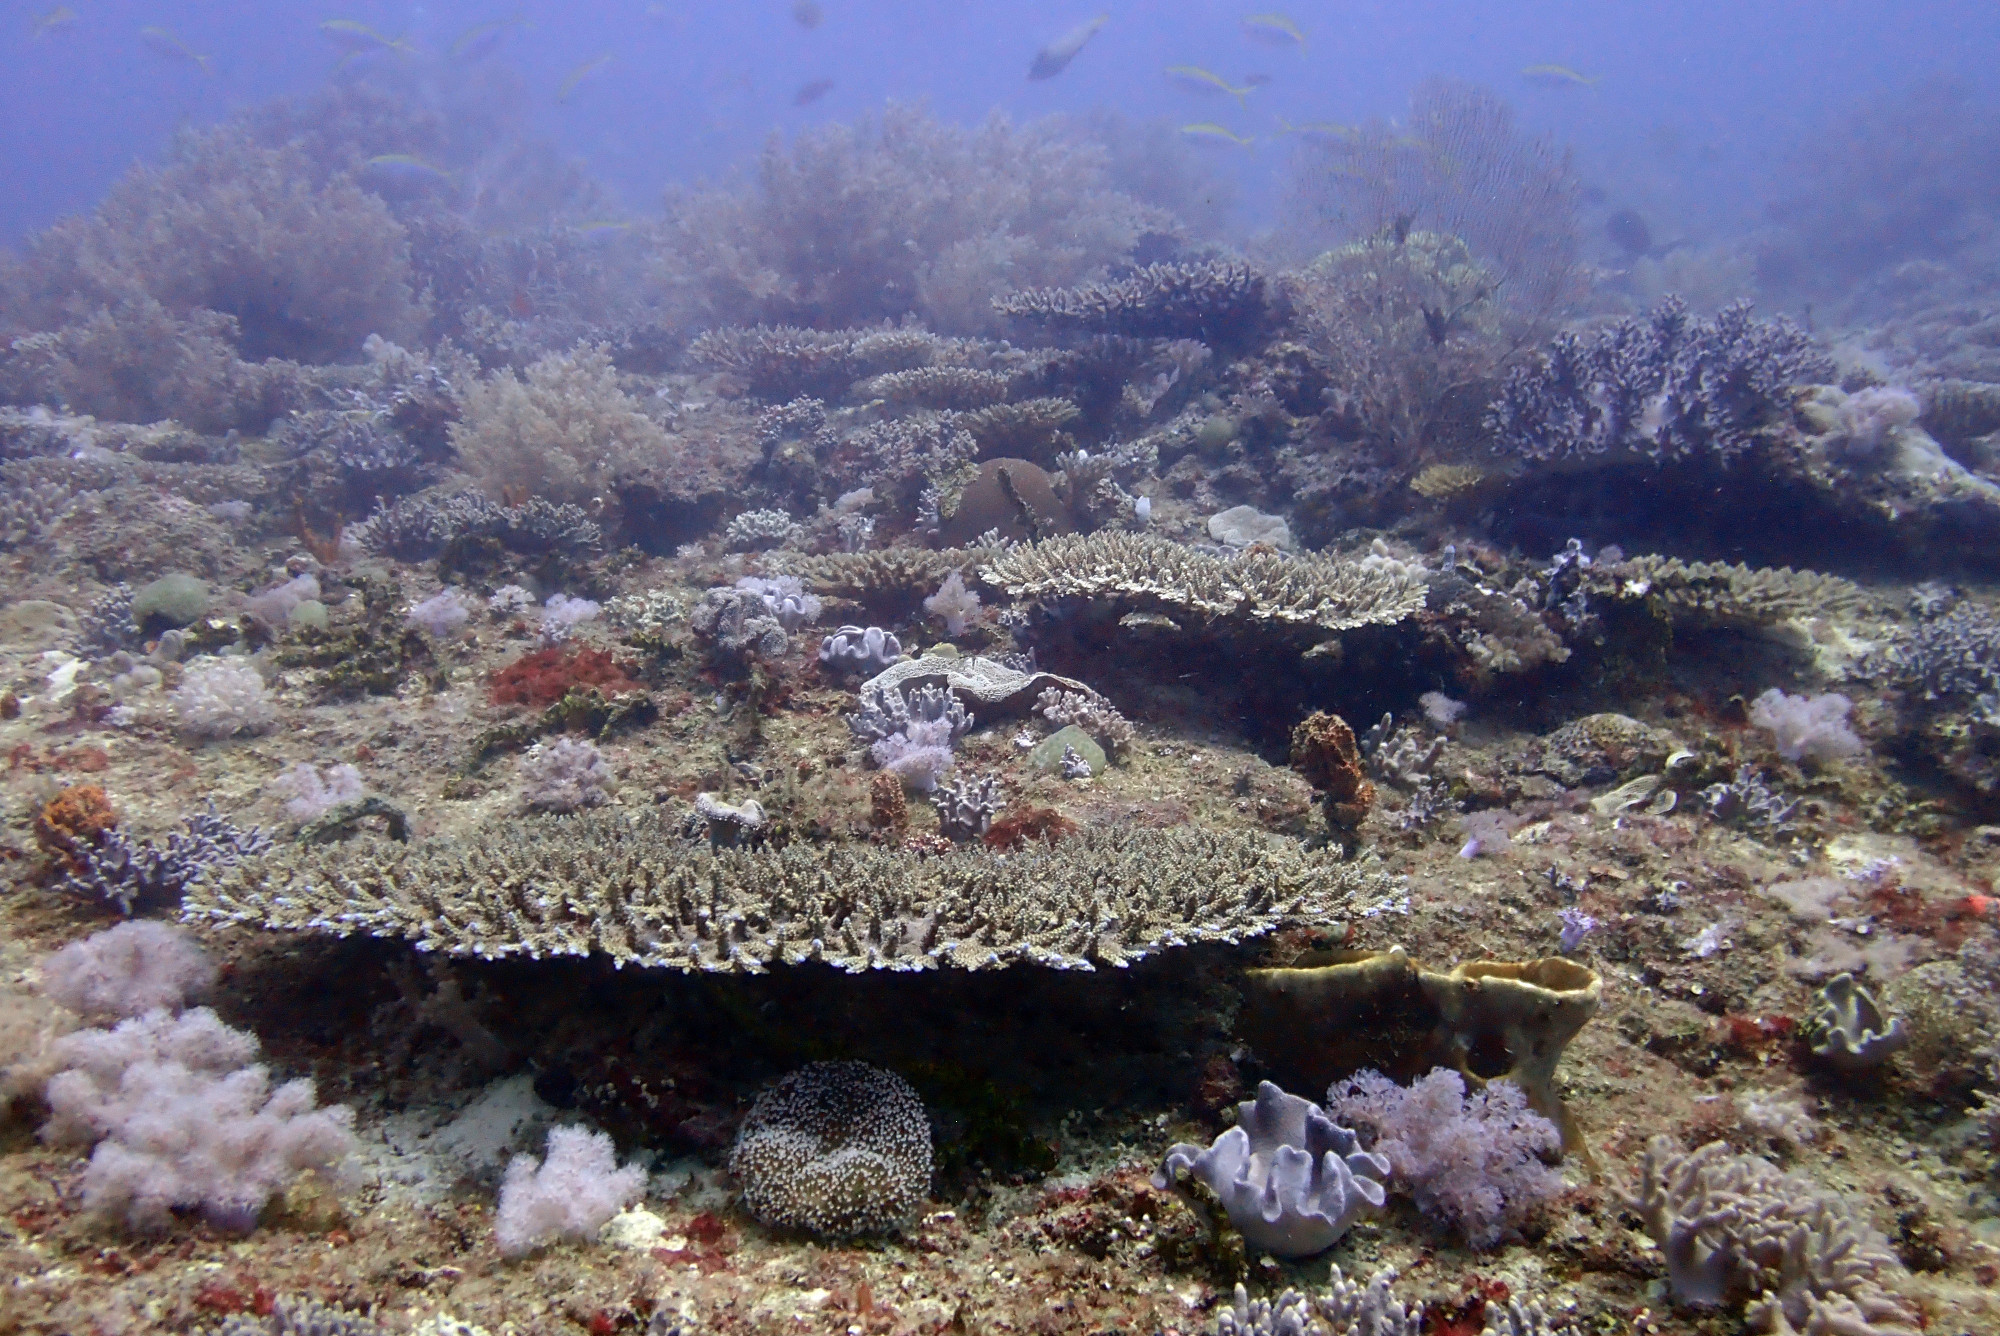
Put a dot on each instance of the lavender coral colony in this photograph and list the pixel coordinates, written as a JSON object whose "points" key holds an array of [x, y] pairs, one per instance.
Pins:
{"points": [[866, 746]]}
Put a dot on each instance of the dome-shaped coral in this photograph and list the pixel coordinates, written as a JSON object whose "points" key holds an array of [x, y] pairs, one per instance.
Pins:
{"points": [[834, 1148]]}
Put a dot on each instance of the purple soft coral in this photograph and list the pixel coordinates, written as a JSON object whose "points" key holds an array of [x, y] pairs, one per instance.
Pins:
{"points": [[1472, 1162]]}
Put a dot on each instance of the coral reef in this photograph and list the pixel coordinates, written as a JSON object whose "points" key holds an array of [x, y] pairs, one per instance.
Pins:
{"points": [[564, 434], [1093, 714], [1516, 1017], [854, 651], [127, 970], [419, 528], [566, 775], [1716, 593], [1807, 728], [1291, 1178], [636, 893], [834, 1149], [1346, 1309], [966, 808]]}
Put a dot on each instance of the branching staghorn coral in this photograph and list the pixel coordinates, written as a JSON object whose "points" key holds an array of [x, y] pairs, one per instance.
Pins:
{"points": [[635, 891], [1257, 586]]}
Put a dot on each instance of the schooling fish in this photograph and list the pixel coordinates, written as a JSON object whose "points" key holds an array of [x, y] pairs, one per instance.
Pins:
{"points": [[1211, 133], [163, 43], [580, 73], [483, 39], [1273, 30], [811, 91], [1198, 80], [356, 39], [59, 17], [1318, 130], [1557, 76], [1054, 58]]}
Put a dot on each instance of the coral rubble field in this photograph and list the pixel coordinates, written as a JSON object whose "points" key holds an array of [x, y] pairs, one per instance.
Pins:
{"points": [[1401, 783]]}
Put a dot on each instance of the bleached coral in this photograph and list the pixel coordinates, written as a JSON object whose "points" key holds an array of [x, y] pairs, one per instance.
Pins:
{"points": [[221, 697]]}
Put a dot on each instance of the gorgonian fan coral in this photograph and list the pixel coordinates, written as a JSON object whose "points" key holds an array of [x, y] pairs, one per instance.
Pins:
{"points": [[1458, 166], [905, 215]]}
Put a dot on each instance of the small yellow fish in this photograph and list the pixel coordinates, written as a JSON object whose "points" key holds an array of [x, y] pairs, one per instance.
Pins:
{"points": [[355, 39], [483, 39], [163, 43], [1273, 30], [1210, 132], [1557, 76], [59, 17], [1198, 80], [1318, 130], [580, 73], [1054, 58]]}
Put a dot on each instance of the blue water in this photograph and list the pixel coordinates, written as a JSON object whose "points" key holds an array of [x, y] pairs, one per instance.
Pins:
{"points": [[1694, 110]]}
